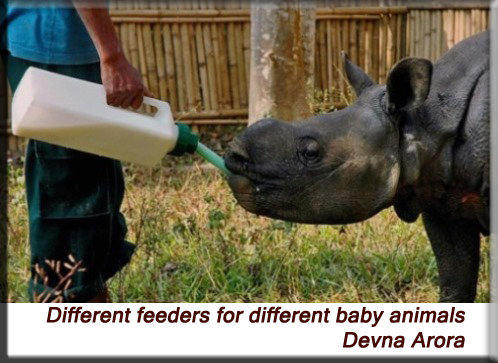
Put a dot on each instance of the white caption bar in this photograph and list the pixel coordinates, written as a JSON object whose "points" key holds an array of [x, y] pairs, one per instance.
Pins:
{"points": [[458, 330]]}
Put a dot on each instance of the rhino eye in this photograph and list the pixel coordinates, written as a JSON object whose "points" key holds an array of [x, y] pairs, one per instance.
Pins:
{"points": [[309, 150]]}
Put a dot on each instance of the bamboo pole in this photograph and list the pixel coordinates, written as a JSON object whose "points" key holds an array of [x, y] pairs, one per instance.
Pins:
{"points": [[185, 60], [154, 4], [133, 45], [473, 21], [439, 34], [143, 61], [247, 51], [123, 37], [318, 51], [242, 81], [195, 4], [210, 122], [232, 58], [330, 59], [239, 19], [218, 66], [323, 54], [126, 34], [191, 19], [150, 59], [444, 31], [354, 41], [160, 63], [339, 84], [170, 68], [179, 67], [362, 10], [383, 50], [390, 44], [427, 34], [361, 44], [202, 64], [434, 35], [346, 17], [233, 113], [405, 27], [194, 66], [482, 21], [334, 81], [422, 33], [211, 68], [344, 31], [143, 4], [236, 13], [451, 29], [210, 4], [414, 34], [460, 25], [468, 23], [368, 47], [411, 34], [225, 65], [375, 51]]}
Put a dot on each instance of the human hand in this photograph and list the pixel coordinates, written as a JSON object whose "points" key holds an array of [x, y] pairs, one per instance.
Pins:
{"points": [[122, 82]]}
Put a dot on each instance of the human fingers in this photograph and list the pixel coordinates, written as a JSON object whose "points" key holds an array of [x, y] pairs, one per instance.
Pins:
{"points": [[137, 101]]}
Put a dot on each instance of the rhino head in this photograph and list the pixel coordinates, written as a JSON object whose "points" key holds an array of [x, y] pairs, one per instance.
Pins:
{"points": [[335, 168]]}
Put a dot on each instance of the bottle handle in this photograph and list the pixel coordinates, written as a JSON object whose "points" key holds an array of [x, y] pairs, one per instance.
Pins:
{"points": [[163, 110]]}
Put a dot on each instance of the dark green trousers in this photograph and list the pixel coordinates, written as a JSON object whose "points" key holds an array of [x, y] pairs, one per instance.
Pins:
{"points": [[74, 201]]}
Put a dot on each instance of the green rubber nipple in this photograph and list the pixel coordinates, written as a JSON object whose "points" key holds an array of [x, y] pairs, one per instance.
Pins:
{"points": [[188, 142], [212, 157]]}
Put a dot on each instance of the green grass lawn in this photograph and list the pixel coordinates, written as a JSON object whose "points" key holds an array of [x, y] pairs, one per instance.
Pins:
{"points": [[194, 244]]}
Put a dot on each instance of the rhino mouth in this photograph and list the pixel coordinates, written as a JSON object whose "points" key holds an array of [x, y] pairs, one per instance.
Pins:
{"points": [[250, 189], [243, 190], [243, 180], [248, 183], [261, 198]]}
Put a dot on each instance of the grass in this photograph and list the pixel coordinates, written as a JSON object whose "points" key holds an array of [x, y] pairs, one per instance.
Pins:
{"points": [[194, 244]]}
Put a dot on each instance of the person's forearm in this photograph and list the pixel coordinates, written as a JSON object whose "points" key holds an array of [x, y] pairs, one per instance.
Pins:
{"points": [[101, 29], [122, 82]]}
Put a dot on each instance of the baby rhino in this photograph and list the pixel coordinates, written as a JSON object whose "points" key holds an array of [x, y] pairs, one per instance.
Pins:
{"points": [[419, 143]]}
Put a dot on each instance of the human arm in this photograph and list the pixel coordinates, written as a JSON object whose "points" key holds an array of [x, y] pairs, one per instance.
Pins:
{"points": [[122, 82]]}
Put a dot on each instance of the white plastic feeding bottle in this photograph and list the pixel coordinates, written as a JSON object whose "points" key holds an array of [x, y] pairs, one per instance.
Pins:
{"points": [[73, 113]]}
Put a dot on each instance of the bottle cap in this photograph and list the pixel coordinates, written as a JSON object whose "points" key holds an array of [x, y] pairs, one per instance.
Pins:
{"points": [[187, 141]]}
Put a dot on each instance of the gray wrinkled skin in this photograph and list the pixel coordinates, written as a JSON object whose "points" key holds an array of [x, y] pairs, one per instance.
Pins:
{"points": [[419, 143]]}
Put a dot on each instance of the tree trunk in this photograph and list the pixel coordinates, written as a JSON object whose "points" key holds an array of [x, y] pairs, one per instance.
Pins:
{"points": [[282, 59]]}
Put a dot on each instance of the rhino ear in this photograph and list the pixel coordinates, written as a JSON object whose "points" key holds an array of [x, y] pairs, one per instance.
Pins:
{"points": [[357, 78], [408, 83]]}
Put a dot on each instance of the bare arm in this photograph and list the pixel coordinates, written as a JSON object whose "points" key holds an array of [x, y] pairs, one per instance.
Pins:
{"points": [[122, 82]]}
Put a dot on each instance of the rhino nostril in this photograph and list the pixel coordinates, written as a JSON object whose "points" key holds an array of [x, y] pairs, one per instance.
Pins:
{"points": [[238, 152]]}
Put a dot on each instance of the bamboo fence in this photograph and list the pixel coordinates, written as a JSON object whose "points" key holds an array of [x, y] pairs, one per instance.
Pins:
{"points": [[196, 54], [432, 32]]}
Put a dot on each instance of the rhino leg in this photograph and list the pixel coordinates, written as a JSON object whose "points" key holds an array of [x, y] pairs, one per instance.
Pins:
{"points": [[456, 246]]}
